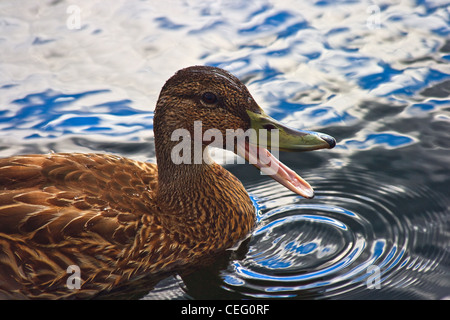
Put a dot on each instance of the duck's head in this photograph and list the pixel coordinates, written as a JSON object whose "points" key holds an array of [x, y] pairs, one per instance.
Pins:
{"points": [[207, 101]]}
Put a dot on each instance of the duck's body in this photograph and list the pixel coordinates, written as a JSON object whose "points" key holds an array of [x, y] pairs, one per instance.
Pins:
{"points": [[113, 219], [99, 213]]}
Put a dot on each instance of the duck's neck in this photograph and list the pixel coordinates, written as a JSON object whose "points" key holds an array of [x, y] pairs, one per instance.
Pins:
{"points": [[178, 173], [202, 194]]}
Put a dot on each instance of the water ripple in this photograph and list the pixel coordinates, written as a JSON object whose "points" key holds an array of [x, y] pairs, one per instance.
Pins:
{"points": [[340, 244]]}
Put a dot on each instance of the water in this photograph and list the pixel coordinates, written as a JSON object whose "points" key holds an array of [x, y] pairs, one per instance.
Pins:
{"points": [[373, 74]]}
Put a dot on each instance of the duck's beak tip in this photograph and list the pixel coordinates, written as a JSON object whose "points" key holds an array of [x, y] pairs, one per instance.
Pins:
{"points": [[328, 139]]}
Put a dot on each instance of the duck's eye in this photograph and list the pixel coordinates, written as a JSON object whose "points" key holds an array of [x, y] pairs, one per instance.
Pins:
{"points": [[209, 98]]}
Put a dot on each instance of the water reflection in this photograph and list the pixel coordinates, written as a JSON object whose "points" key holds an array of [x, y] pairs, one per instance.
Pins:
{"points": [[375, 232], [340, 245]]}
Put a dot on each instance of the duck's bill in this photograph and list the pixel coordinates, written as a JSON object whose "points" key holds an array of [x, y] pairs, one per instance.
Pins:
{"points": [[284, 138], [268, 164], [279, 137]]}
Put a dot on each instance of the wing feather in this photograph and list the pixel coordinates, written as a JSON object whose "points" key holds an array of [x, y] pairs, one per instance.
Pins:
{"points": [[82, 209]]}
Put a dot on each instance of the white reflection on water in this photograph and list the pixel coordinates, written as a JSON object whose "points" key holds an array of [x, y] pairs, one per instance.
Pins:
{"points": [[293, 55]]}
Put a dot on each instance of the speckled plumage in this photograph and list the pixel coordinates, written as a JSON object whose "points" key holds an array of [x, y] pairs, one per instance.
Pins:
{"points": [[99, 212]]}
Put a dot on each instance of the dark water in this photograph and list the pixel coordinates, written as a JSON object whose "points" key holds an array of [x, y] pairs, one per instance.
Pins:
{"points": [[377, 78]]}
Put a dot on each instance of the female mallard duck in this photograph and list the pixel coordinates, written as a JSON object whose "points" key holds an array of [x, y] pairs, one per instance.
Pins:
{"points": [[113, 219]]}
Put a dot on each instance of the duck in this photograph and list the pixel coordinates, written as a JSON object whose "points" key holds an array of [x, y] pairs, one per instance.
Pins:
{"points": [[75, 225]]}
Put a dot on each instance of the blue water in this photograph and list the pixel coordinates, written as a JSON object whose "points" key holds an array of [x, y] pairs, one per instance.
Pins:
{"points": [[376, 76]]}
